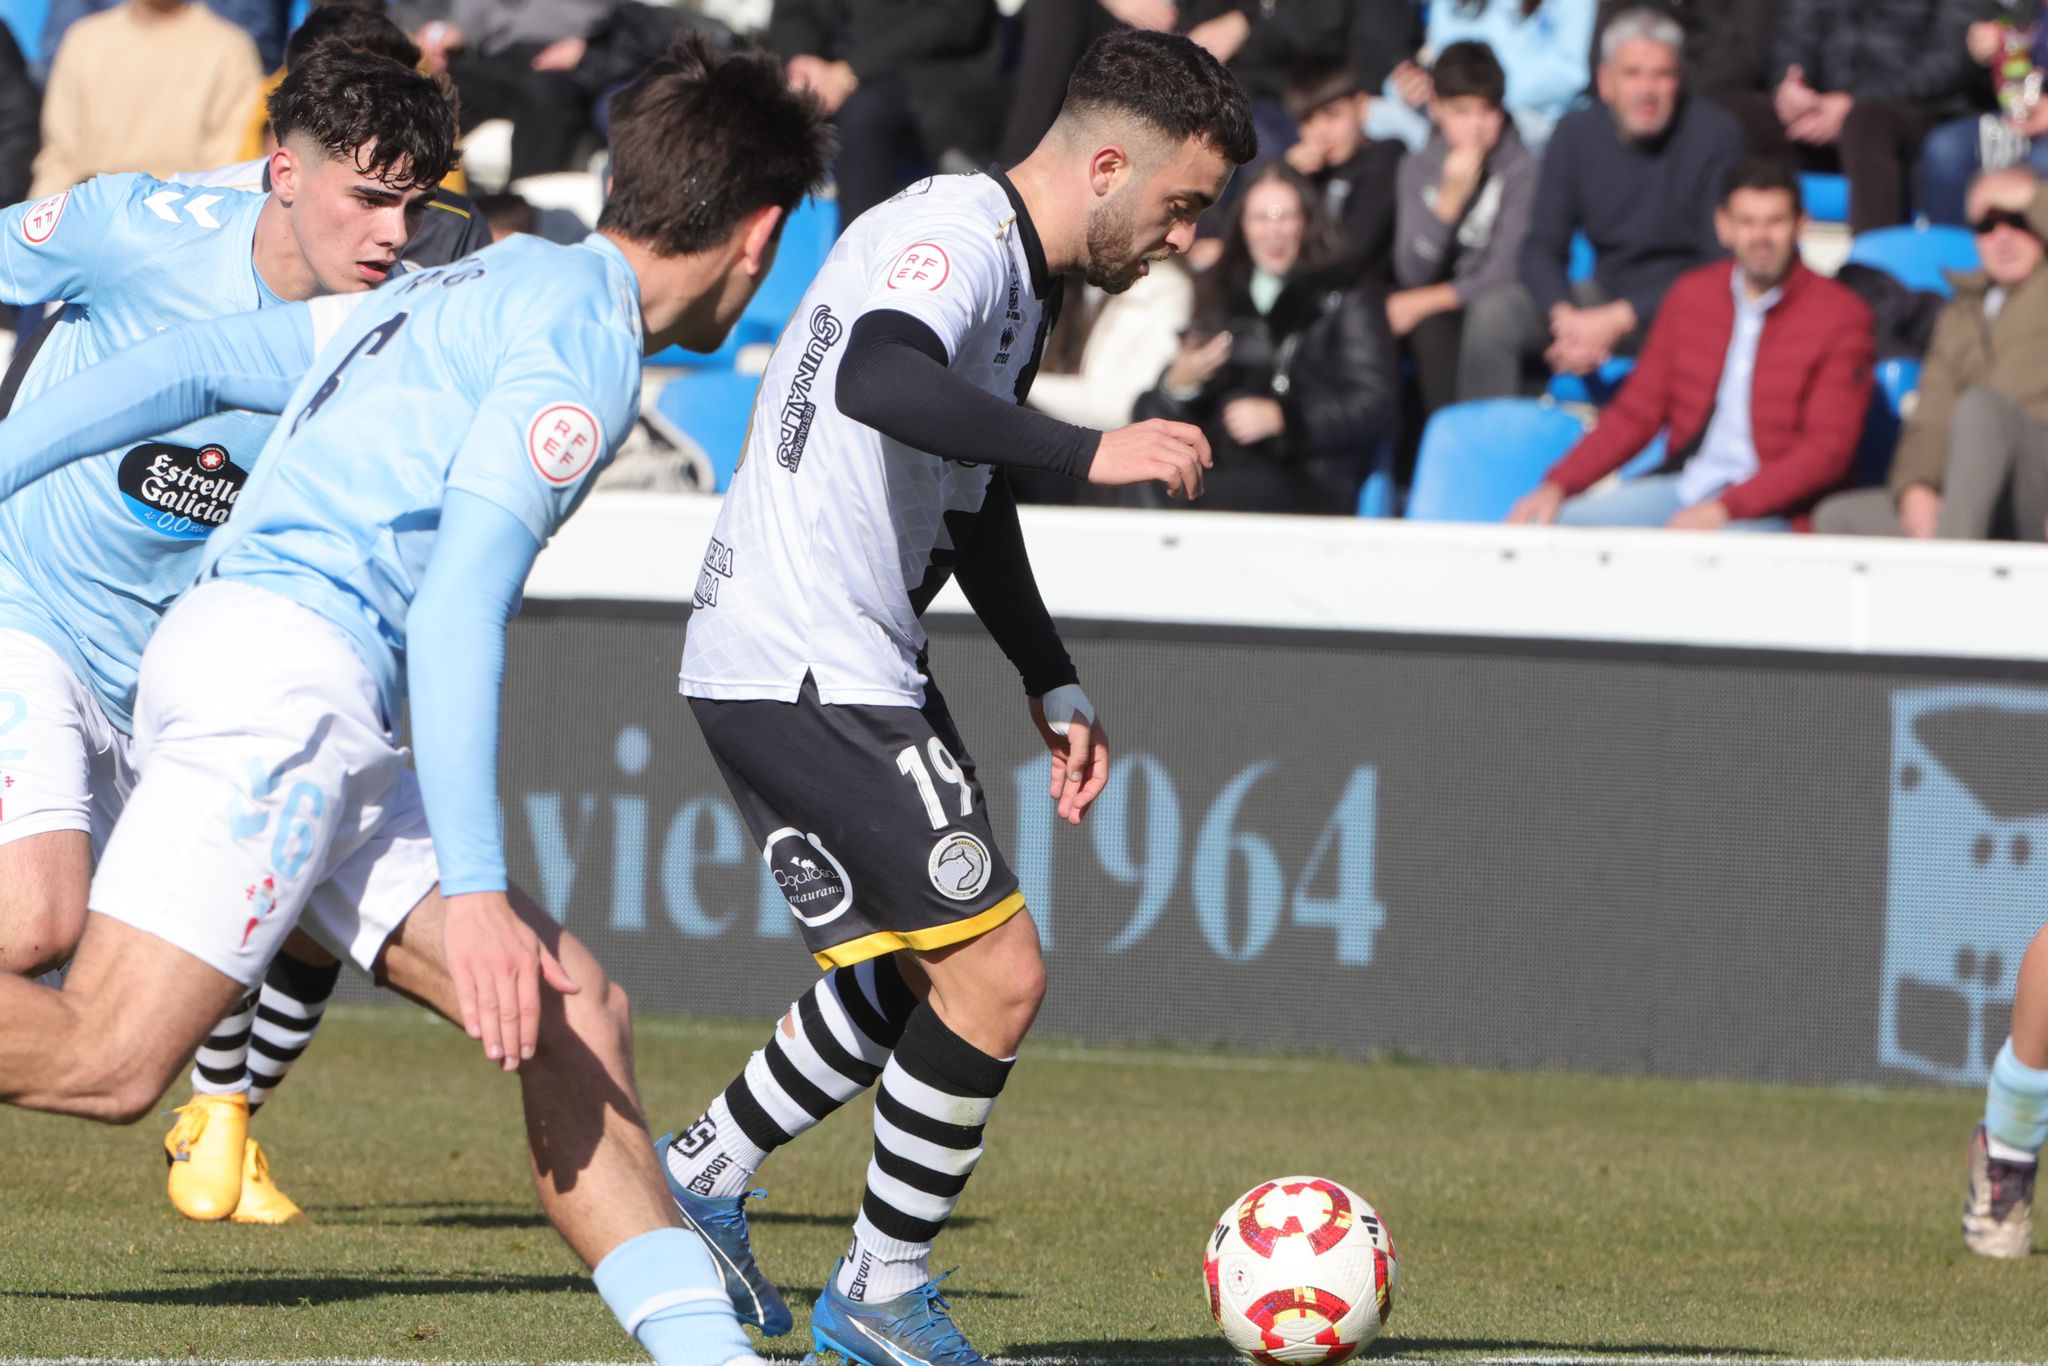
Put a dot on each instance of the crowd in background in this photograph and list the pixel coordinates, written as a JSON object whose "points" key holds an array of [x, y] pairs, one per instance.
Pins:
{"points": [[1432, 178]]}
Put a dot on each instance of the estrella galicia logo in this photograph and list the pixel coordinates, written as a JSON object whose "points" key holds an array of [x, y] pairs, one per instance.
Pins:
{"points": [[798, 411], [180, 491], [959, 866], [812, 881]]}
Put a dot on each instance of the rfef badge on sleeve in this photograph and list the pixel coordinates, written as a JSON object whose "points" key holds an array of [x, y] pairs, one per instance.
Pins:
{"points": [[563, 440]]}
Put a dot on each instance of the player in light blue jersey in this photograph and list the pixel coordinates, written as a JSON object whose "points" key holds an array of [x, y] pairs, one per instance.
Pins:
{"points": [[377, 551], [91, 558]]}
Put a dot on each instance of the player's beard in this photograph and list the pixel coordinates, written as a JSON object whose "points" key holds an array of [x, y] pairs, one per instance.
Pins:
{"points": [[1113, 265]]}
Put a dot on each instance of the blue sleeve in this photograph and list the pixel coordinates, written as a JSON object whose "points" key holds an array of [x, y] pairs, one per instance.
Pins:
{"points": [[471, 589], [251, 361], [50, 247]]}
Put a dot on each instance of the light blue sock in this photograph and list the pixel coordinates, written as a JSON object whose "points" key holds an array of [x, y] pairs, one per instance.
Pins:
{"points": [[2016, 1103], [670, 1299]]}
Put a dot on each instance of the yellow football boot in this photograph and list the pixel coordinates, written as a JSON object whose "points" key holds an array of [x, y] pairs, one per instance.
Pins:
{"points": [[205, 1152], [262, 1201]]}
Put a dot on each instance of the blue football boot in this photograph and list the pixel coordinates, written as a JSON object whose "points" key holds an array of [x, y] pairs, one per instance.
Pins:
{"points": [[722, 1224], [914, 1329]]}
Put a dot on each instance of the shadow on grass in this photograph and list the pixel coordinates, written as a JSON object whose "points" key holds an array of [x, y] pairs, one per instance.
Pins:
{"points": [[1214, 1349], [256, 1290], [756, 1215], [805, 1294]]}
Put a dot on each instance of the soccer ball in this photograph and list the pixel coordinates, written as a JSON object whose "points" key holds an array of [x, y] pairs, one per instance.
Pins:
{"points": [[1300, 1270]]}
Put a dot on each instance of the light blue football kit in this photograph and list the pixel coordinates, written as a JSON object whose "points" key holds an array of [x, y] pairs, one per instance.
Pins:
{"points": [[90, 558], [455, 420]]}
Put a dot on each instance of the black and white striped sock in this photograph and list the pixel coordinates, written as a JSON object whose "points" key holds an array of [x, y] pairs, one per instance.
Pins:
{"points": [[221, 1067], [935, 1098], [289, 1005], [827, 1050]]}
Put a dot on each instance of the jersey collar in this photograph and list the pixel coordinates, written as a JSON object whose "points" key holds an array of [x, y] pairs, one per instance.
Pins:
{"points": [[1027, 233]]}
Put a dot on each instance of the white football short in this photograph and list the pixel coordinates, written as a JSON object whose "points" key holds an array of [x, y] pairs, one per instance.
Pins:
{"points": [[270, 793], [63, 766]]}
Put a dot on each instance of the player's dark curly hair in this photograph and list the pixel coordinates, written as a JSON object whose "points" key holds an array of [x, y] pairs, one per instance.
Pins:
{"points": [[388, 120], [1168, 83], [366, 29], [705, 138]]}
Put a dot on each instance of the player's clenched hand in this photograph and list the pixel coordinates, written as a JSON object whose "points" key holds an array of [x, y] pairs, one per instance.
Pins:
{"points": [[1173, 453], [498, 964], [1080, 760]]}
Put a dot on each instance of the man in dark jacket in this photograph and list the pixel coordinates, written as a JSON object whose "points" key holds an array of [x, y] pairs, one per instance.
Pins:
{"points": [[1263, 42], [1859, 84], [1760, 372], [905, 80], [1638, 174]]}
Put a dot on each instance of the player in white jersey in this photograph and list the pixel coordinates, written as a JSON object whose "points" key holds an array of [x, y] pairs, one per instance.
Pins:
{"points": [[873, 470], [356, 577], [90, 559]]}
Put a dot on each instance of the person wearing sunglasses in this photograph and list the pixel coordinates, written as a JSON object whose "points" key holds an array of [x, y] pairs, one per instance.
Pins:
{"points": [[1972, 459]]}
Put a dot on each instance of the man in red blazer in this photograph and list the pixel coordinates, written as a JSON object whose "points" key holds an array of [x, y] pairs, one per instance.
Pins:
{"points": [[1758, 368]]}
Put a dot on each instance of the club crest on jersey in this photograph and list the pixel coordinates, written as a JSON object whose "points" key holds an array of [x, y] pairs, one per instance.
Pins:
{"points": [[798, 411], [563, 440], [178, 490], [813, 882], [960, 866], [922, 266], [40, 222]]}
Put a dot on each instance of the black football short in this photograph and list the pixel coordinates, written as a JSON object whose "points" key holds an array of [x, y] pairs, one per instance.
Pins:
{"points": [[871, 819]]}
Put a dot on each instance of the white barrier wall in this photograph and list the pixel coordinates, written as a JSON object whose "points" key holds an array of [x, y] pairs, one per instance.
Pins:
{"points": [[1837, 595]]}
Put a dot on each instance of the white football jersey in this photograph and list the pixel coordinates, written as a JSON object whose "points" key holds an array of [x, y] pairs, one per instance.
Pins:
{"points": [[830, 528]]}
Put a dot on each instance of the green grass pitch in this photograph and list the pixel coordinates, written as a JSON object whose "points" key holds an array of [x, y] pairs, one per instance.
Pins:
{"points": [[1554, 1216]]}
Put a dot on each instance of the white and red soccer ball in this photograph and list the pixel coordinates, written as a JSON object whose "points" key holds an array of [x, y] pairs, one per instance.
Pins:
{"points": [[1300, 1270]]}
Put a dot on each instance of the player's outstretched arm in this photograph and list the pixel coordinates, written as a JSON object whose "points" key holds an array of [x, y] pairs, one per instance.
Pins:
{"points": [[456, 668], [251, 361], [894, 379]]}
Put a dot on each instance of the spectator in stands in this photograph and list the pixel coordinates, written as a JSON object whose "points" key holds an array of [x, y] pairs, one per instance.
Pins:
{"points": [[1637, 174], [1461, 214], [265, 21], [1760, 372], [1354, 175], [508, 215], [1542, 44], [1288, 367], [910, 83], [1972, 459], [521, 62], [1858, 84], [150, 85], [20, 112], [2013, 49], [1263, 42]]}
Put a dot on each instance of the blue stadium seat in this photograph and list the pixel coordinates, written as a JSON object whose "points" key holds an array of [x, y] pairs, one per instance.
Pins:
{"points": [[1649, 459], [712, 407], [1376, 495], [1826, 196], [806, 239], [1917, 256], [1478, 458], [1596, 388], [1896, 378], [27, 18], [1580, 265]]}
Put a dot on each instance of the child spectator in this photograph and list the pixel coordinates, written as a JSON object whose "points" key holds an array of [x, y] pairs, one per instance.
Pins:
{"points": [[1543, 45], [1462, 210], [1354, 174]]}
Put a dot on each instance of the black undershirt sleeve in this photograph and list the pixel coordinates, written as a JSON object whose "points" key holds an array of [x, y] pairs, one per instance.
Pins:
{"points": [[995, 574], [894, 378]]}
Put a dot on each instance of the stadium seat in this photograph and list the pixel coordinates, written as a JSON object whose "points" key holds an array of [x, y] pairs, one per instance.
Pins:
{"points": [[27, 19], [711, 407], [1649, 459], [806, 240], [1376, 495], [1580, 266], [1826, 196], [1478, 458], [1896, 378], [1596, 388], [1916, 257]]}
